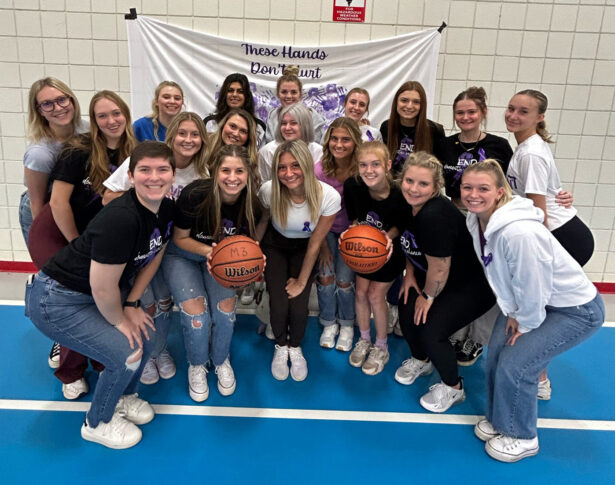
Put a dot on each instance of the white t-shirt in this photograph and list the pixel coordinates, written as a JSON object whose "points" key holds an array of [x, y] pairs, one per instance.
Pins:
{"points": [[118, 181], [298, 222], [265, 157], [369, 133], [532, 170]]}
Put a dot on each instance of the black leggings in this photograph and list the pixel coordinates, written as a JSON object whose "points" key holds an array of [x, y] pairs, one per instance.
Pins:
{"points": [[284, 260], [577, 239], [453, 309]]}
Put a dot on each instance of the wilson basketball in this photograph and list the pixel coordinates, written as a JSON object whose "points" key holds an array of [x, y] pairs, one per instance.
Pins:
{"points": [[237, 261], [364, 249]]}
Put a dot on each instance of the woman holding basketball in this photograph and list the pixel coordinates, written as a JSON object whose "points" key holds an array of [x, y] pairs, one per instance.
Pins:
{"points": [[444, 287], [356, 106], [374, 199], [207, 211], [335, 279], [548, 306], [302, 212]]}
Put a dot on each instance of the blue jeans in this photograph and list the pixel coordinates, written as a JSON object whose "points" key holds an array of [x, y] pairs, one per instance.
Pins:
{"points": [[72, 319], [25, 215], [512, 371], [335, 302], [157, 293], [188, 279]]}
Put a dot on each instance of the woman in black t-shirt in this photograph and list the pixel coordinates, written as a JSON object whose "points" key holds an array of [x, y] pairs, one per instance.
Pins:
{"points": [[444, 287], [408, 129], [84, 299], [207, 211]]}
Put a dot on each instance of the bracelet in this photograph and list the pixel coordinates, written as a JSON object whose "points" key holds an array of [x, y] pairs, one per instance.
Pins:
{"points": [[426, 296], [132, 304]]}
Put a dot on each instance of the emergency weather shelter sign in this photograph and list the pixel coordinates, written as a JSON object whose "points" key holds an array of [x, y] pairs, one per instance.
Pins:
{"points": [[349, 10]]}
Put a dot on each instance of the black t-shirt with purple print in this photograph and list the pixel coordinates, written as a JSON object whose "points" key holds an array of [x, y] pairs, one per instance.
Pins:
{"points": [[439, 230], [73, 167], [381, 214], [456, 157], [124, 232]]}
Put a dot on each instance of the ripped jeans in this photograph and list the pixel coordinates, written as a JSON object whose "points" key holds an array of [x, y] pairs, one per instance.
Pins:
{"points": [[158, 295], [188, 279], [72, 319]]}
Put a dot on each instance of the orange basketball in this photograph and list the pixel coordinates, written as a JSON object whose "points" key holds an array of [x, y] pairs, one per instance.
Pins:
{"points": [[364, 249], [237, 261]]}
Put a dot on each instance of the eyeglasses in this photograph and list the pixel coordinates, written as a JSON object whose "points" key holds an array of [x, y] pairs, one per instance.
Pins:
{"points": [[49, 105]]}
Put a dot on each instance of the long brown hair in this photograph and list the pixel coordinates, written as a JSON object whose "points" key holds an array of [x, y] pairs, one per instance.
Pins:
{"points": [[422, 137], [543, 103], [328, 161], [199, 160]]}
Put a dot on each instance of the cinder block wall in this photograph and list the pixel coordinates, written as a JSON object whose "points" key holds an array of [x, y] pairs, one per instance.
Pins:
{"points": [[565, 48]]}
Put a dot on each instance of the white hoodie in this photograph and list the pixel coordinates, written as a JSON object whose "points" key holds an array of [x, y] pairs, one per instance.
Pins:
{"points": [[527, 268]]}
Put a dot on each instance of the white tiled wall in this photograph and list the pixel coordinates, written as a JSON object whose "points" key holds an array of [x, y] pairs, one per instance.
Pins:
{"points": [[565, 48]]}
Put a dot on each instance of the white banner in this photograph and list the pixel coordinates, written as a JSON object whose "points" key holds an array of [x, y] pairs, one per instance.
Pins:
{"points": [[200, 62]]}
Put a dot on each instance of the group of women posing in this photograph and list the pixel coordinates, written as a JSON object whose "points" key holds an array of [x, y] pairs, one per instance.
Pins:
{"points": [[122, 265]]}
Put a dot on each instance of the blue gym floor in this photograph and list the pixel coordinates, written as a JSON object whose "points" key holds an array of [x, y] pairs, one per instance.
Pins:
{"points": [[338, 426]]}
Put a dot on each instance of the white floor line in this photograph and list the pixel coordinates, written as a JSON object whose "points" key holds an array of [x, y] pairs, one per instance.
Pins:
{"points": [[312, 414]]}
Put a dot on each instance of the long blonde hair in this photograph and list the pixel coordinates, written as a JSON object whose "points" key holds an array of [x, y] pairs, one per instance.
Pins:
{"points": [[96, 144], [280, 196], [199, 160], [493, 168], [155, 109], [38, 126], [328, 161]]}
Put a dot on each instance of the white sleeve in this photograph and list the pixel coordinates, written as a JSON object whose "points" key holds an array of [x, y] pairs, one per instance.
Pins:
{"points": [[264, 163], [319, 126], [534, 170], [331, 200], [264, 194], [530, 262], [118, 181]]}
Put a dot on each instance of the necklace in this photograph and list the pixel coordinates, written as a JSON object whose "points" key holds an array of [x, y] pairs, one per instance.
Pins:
{"points": [[480, 133]]}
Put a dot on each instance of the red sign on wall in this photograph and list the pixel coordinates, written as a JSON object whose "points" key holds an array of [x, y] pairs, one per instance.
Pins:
{"points": [[349, 10]]}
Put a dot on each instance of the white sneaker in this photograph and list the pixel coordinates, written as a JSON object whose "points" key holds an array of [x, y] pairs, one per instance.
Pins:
{"points": [[75, 389], [344, 341], [197, 383], [412, 368], [507, 449], [359, 353], [393, 318], [135, 410], [376, 361], [226, 378], [269, 332], [247, 295], [298, 364], [279, 364], [327, 337], [544, 390], [119, 433], [441, 397], [150, 372], [484, 430], [165, 365]]}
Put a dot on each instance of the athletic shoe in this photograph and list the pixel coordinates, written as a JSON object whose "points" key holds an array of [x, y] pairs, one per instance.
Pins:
{"points": [[412, 368], [544, 390], [75, 389], [165, 365], [247, 295], [359, 353], [150, 372], [298, 364], [344, 341], [441, 397], [54, 356], [376, 361], [197, 383], [327, 337], [119, 433], [469, 352], [279, 364], [269, 332], [393, 318], [484, 431], [135, 410], [226, 378], [509, 450]]}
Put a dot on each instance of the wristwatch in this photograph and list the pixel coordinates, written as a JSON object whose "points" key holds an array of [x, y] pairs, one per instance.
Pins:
{"points": [[132, 304], [426, 296]]}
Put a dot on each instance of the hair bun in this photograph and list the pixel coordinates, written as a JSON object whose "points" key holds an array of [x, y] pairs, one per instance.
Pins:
{"points": [[292, 70]]}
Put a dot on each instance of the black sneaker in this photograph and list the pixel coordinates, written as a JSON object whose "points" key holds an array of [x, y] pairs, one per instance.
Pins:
{"points": [[54, 356], [469, 352]]}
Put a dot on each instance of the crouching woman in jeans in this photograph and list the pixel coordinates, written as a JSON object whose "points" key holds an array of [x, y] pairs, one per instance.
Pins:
{"points": [[548, 306], [83, 297]]}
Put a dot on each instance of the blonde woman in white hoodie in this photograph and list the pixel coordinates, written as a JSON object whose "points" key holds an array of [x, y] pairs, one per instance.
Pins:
{"points": [[548, 306]]}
